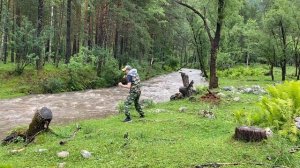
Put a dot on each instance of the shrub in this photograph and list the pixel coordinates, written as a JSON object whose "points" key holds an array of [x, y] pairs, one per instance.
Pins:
{"points": [[201, 89], [53, 85], [80, 75], [278, 110], [111, 73], [225, 61], [172, 63]]}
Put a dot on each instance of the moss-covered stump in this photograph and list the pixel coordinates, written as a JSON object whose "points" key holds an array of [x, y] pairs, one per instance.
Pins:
{"points": [[40, 122]]}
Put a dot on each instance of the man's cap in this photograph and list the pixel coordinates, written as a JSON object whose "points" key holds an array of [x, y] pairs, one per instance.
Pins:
{"points": [[127, 67]]}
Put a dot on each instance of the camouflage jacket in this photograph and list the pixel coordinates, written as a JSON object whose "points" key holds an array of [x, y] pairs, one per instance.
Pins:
{"points": [[134, 79]]}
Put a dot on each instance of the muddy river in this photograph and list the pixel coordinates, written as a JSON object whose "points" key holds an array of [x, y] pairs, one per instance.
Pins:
{"points": [[74, 106]]}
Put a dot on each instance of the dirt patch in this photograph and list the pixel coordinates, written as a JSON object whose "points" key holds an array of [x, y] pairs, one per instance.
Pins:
{"points": [[211, 97]]}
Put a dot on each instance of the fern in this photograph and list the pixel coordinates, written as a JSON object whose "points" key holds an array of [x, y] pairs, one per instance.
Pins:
{"points": [[277, 110]]}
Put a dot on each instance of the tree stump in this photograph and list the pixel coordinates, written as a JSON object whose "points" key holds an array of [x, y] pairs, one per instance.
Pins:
{"points": [[250, 134], [40, 122], [187, 89]]}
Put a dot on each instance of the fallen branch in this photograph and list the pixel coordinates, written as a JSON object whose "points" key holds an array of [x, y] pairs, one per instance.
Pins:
{"points": [[294, 149], [63, 142], [216, 165], [29, 140]]}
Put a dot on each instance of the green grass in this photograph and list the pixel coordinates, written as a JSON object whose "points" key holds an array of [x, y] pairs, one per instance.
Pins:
{"points": [[13, 85], [165, 138]]}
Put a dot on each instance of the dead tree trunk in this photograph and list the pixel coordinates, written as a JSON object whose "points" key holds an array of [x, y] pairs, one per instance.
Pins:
{"points": [[187, 88]]}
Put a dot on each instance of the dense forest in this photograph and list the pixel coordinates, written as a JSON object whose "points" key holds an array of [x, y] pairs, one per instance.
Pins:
{"points": [[106, 34]]}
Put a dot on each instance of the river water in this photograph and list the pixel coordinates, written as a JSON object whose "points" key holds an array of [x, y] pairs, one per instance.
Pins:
{"points": [[74, 106]]}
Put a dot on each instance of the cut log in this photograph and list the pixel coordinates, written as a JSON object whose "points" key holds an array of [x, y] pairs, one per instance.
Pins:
{"points": [[250, 134], [40, 122]]}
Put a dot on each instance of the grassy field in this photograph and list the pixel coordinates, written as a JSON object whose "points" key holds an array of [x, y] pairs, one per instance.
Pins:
{"points": [[165, 138]]}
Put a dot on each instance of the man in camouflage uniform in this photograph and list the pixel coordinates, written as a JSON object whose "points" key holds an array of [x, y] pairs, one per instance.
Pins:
{"points": [[134, 92]]}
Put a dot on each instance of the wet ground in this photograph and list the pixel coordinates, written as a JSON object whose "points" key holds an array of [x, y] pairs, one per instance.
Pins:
{"points": [[74, 106]]}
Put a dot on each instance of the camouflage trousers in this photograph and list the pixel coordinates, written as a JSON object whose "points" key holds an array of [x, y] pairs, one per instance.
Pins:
{"points": [[133, 98]]}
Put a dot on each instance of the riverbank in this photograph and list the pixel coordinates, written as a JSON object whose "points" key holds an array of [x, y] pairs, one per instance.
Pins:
{"points": [[64, 78], [167, 137], [90, 104]]}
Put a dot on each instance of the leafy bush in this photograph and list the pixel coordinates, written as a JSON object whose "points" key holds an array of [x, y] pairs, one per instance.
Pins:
{"points": [[147, 103], [80, 75], [121, 107], [201, 89], [172, 63], [225, 61], [278, 110], [53, 85], [111, 73]]}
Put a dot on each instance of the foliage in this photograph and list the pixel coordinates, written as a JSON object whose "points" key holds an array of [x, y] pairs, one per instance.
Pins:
{"points": [[240, 71], [53, 85], [225, 61], [278, 110], [25, 43], [201, 89]]}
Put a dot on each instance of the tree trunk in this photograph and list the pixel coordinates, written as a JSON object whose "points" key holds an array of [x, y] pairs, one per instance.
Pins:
{"points": [[5, 35], [51, 38], [214, 41], [68, 36], [86, 22], [1, 7], [39, 61], [201, 60], [18, 24], [5, 42], [296, 63], [90, 31], [283, 70], [213, 80], [284, 48], [74, 46], [272, 72], [298, 77], [58, 52], [12, 50]]}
